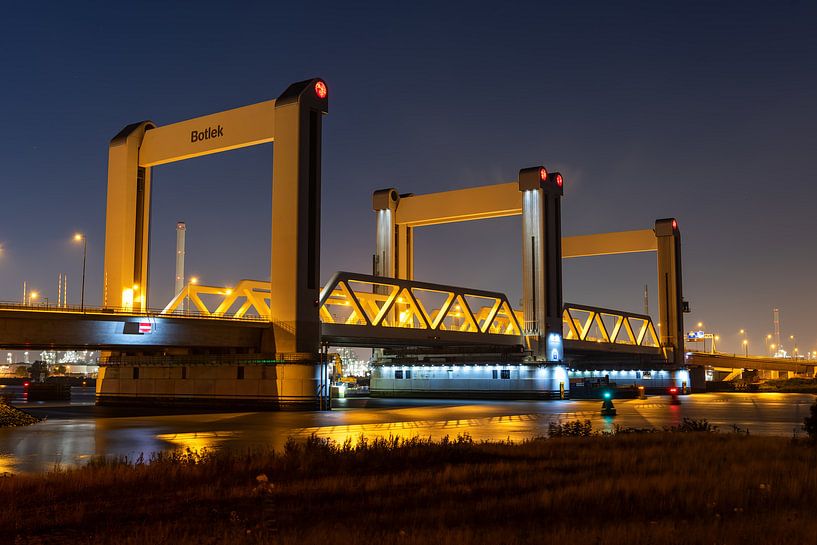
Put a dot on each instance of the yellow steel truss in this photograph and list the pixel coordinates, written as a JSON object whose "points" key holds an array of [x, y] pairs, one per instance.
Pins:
{"points": [[364, 300], [608, 326]]}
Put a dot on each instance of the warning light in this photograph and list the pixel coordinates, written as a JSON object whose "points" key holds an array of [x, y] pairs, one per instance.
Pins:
{"points": [[557, 177], [674, 225], [321, 90], [543, 173]]}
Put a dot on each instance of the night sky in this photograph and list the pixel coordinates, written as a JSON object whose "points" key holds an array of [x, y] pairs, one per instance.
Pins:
{"points": [[701, 111]]}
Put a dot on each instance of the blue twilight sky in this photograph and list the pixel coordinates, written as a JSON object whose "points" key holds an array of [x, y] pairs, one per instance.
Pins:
{"points": [[705, 111]]}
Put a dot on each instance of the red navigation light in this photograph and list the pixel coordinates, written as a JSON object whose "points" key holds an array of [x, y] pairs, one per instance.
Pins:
{"points": [[559, 180], [674, 225], [321, 90], [543, 173]]}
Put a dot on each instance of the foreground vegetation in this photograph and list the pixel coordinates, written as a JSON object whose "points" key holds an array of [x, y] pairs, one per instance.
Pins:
{"points": [[634, 488]]}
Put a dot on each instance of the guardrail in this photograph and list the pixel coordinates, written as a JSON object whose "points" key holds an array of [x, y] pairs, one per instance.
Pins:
{"points": [[125, 311]]}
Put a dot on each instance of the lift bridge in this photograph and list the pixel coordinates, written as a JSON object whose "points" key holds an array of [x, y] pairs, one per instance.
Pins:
{"points": [[265, 342]]}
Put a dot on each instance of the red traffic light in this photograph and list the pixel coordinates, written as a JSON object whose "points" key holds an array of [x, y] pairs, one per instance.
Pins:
{"points": [[321, 90], [25, 384], [543, 174], [673, 390]]}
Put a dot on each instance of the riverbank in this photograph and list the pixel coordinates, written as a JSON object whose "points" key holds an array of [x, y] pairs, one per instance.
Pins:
{"points": [[792, 385], [631, 488], [12, 417]]}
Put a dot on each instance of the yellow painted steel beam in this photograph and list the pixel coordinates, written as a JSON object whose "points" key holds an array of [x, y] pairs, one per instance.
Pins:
{"points": [[214, 133], [622, 242], [473, 203]]}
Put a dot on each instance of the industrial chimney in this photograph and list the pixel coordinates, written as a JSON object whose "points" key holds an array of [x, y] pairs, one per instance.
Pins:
{"points": [[180, 230]]}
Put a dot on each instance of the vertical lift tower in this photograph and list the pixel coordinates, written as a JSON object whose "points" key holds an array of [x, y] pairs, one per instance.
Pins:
{"points": [[536, 196], [292, 122], [540, 194]]}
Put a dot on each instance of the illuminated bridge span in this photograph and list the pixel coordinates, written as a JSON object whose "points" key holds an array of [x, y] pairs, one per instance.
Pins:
{"points": [[366, 310]]}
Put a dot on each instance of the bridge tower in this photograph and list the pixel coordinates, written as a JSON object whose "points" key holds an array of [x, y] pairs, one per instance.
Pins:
{"points": [[542, 261], [293, 123], [670, 292]]}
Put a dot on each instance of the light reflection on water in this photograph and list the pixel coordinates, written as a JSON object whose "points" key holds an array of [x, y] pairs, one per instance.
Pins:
{"points": [[198, 441], [72, 439]]}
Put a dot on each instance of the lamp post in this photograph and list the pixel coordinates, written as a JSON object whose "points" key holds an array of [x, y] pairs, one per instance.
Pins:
{"points": [[745, 343], [77, 238], [766, 340], [794, 341]]}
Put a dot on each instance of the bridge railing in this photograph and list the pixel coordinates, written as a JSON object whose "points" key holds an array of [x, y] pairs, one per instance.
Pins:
{"points": [[375, 301], [122, 311], [601, 325]]}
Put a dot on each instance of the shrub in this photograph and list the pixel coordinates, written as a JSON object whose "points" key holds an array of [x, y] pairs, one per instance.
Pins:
{"points": [[690, 425], [577, 428]]}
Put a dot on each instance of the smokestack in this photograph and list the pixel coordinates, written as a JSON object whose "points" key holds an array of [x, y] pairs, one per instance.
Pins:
{"points": [[180, 231], [646, 301]]}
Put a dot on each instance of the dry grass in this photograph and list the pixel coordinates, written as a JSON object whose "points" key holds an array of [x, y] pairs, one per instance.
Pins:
{"points": [[656, 488]]}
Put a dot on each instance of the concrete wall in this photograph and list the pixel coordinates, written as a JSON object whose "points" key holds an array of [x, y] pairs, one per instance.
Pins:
{"points": [[266, 385]]}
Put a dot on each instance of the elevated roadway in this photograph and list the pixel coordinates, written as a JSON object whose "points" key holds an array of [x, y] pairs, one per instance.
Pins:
{"points": [[735, 362]]}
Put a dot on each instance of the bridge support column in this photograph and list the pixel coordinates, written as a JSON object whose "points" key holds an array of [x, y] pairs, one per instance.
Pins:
{"points": [[127, 225], [296, 219], [670, 292], [394, 244], [542, 262], [384, 203]]}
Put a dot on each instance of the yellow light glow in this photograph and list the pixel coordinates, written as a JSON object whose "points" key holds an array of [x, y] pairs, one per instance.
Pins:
{"points": [[228, 291], [78, 237], [33, 295], [127, 298], [194, 280], [136, 287]]}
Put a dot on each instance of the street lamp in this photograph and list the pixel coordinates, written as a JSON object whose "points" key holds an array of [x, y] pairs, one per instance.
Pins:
{"points": [[794, 341], [745, 348], [79, 237], [193, 281], [32, 296]]}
